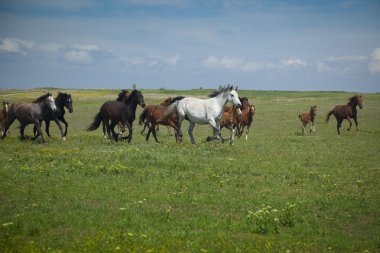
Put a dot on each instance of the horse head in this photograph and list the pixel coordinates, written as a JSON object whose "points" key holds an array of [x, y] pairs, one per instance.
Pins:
{"points": [[6, 106], [138, 97], [233, 97], [69, 103], [360, 101], [313, 110]]}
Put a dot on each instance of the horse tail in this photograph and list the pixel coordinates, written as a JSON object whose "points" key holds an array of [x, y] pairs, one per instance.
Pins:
{"points": [[96, 123], [143, 115], [171, 108], [328, 115]]}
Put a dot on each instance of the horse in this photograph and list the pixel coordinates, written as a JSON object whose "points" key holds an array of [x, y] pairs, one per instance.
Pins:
{"points": [[118, 111], [152, 115], [308, 117], [347, 112], [166, 102], [4, 113], [230, 120], [122, 96], [204, 111], [248, 111], [61, 101], [29, 113]]}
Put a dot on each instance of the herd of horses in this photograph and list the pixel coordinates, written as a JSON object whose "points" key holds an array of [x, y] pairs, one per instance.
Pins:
{"points": [[170, 113]]}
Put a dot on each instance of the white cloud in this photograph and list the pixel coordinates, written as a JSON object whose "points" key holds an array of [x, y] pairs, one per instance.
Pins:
{"points": [[234, 63], [374, 65], [173, 60], [323, 67], [11, 45], [86, 47], [294, 61], [75, 56], [348, 58], [50, 47]]}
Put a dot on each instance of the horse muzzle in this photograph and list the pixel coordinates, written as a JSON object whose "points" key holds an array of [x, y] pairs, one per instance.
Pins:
{"points": [[142, 105]]}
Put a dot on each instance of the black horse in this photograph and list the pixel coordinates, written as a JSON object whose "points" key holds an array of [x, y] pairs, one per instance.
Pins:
{"points": [[29, 113], [61, 101], [121, 97], [118, 111]]}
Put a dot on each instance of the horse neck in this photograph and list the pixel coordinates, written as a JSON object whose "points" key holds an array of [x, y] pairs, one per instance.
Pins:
{"points": [[352, 104], [59, 102], [132, 104], [221, 99], [311, 114]]}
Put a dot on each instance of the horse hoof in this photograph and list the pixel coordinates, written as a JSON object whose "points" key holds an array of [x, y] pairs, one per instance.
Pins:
{"points": [[64, 138], [209, 138]]}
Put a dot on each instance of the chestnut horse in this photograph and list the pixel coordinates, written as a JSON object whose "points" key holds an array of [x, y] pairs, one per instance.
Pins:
{"points": [[308, 117], [153, 115], [248, 111], [166, 102], [4, 113], [230, 119], [347, 112]]}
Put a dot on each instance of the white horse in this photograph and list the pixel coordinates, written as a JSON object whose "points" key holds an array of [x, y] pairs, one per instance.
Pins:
{"points": [[204, 111]]}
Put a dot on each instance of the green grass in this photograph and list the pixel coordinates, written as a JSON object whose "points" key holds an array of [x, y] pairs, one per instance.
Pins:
{"points": [[275, 192]]}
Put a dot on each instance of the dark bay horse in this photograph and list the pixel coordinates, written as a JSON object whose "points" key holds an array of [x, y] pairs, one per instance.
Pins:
{"points": [[122, 96], [29, 113], [118, 111], [308, 118], [4, 113], [347, 112], [152, 116], [61, 101]]}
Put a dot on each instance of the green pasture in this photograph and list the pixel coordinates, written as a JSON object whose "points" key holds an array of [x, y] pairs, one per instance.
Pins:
{"points": [[278, 191]]}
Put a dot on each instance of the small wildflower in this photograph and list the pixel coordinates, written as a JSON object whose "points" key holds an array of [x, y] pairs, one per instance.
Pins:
{"points": [[7, 224]]}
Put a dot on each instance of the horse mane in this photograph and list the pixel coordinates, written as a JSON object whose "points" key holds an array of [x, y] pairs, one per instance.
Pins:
{"points": [[122, 95], [176, 99], [353, 100], [221, 90], [41, 98], [131, 95]]}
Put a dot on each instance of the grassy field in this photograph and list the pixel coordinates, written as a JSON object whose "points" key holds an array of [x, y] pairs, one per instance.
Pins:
{"points": [[278, 191]]}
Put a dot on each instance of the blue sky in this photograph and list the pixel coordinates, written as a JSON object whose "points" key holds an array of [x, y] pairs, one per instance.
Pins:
{"points": [[187, 44]]}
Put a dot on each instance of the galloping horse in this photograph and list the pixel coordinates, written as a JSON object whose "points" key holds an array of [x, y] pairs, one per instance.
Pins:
{"points": [[308, 117], [204, 111], [246, 118], [122, 96], [61, 101], [118, 111], [29, 113], [4, 113], [152, 115], [348, 112], [230, 120]]}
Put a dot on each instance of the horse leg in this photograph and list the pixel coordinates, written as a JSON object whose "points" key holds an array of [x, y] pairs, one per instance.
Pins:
{"points": [[242, 131], [155, 133], [349, 120], [47, 125], [179, 131], [232, 134], [148, 134], [247, 132], [112, 129], [338, 125], [190, 131], [22, 129], [9, 120], [38, 126], [173, 125], [104, 129], [66, 125], [170, 133], [143, 130], [356, 123], [130, 130]]}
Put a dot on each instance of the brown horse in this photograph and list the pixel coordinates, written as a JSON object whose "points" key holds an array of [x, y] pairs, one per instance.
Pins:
{"points": [[118, 111], [166, 102], [347, 112], [153, 115], [4, 113], [29, 113], [308, 117], [248, 111], [230, 120]]}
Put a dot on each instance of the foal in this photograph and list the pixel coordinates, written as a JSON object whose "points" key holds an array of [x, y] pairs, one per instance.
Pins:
{"points": [[4, 113], [230, 119], [308, 117]]}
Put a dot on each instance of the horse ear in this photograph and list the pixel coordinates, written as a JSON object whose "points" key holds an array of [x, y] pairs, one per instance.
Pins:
{"points": [[236, 88]]}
